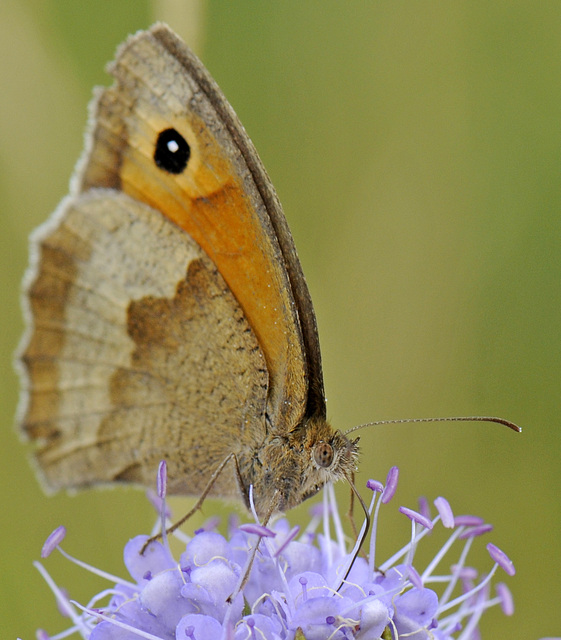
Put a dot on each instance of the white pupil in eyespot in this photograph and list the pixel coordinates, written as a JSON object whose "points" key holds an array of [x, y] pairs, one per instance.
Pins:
{"points": [[173, 147]]}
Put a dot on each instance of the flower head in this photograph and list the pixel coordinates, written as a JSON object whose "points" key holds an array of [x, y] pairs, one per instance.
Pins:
{"points": [[280, 583]]}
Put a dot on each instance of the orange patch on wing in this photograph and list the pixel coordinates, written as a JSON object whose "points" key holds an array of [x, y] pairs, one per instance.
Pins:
{"points": [[210, 203]]}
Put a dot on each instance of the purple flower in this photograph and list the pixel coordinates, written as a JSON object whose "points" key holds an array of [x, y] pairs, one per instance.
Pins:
{"points": [[295, 588]]}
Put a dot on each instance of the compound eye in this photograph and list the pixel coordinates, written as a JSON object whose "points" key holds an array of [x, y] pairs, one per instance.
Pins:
{"points": [[323, 454]]}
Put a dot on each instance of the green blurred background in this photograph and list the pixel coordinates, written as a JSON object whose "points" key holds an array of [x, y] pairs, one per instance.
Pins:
{"points": [[416, 148]]}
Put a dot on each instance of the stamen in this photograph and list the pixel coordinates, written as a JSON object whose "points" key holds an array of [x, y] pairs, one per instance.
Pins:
{"points": [[61, 599], [289, 538], [441, 553], [424, 508], [415, 516], [476, 531], [391, 485], [257, 529], [477, 612], [95, 570], [326, 527], [445, 512], [52, 542], [457, 569], [505, 597], [303, 581], [500, 557], [156, 502], [117, 623], [252, 504], [469, 594], [468, 521], [415, 578], [392, 560], [250, 622], [212, 523], [336, 518], [375, 485], [465, 573]]}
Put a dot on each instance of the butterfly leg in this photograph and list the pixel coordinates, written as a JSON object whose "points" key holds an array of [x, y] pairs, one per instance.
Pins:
{"points": [[199, 503], [244, 576], [351, 515], [350, 512], [362, 535]]}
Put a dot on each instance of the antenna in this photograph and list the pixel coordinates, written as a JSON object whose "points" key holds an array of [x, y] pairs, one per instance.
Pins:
{"points": [[506, 423]]}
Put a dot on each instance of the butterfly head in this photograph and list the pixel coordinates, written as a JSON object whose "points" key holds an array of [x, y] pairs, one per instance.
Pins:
{"points": [[296, 466]]}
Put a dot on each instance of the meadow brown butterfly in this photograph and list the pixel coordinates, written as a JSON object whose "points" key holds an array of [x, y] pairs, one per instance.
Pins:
{"points": [[168, 314]]}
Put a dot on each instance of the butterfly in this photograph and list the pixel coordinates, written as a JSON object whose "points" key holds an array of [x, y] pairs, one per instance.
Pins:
{"points": [[168, 315]]}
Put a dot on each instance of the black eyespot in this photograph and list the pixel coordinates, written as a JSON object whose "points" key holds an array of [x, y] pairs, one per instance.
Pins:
{"points": [[323, 454], [172, 151]]}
